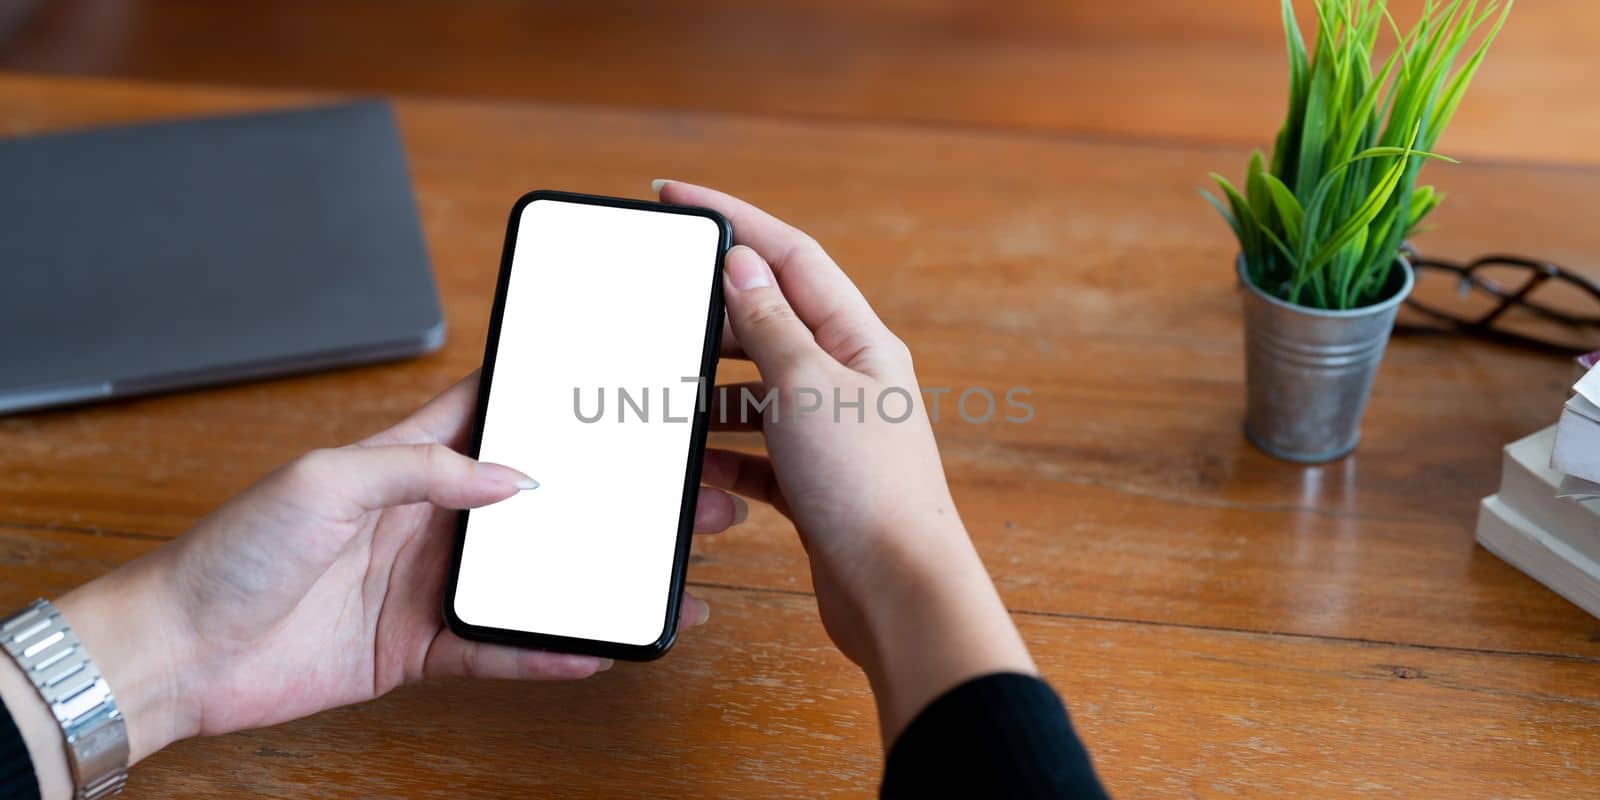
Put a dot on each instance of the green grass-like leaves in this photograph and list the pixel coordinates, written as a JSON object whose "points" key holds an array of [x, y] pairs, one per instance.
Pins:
{"points": [[1320, 225]]}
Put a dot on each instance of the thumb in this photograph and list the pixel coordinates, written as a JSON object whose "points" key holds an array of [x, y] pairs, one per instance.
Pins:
{"points": [[762, 319], [372, 478]]}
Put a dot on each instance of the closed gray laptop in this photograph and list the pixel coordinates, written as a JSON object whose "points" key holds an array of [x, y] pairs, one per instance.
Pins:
{"points": [[156, 257]]}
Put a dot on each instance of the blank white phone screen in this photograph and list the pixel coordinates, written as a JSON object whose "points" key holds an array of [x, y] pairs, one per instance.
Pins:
{"points": [[601, 300]]}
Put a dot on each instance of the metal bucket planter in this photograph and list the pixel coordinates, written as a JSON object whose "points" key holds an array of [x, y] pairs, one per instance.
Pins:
{"points": [[1309, 371]]}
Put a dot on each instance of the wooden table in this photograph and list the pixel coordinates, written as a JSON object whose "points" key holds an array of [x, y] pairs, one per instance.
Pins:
{"points": [[1219, 623], [1154, 69]]}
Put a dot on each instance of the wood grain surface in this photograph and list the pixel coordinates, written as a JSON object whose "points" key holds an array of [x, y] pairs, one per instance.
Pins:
{"points": [[1148, 68], [758, 704], [1219, 623]]}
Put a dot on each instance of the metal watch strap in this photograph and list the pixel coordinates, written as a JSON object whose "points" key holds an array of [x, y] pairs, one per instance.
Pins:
{"points": [[38, 638]]}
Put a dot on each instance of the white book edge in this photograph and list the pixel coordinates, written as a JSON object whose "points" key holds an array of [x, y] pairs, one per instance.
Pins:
{"points": [[1588, 387], [1577, 445], [1584, 492], [1531, 487], [1583, 407], [1504, 531]]}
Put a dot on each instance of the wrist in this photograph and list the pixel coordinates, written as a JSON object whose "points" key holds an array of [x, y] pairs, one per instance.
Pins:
{"points": [[900, 562], [933, 620], [126, 624]]}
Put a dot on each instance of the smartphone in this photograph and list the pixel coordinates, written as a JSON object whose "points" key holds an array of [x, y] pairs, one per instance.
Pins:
{"points": [[602, 349]]}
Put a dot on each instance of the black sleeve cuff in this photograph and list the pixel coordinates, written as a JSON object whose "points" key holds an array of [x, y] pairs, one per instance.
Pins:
{"points": [[16, 766], [1001, 736]]}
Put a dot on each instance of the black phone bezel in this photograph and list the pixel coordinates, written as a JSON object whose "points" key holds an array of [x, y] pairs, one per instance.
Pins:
{"points": [[697, 440]]}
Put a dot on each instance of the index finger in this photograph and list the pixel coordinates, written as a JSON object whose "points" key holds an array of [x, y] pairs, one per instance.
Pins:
{"points": [[447, 419]]}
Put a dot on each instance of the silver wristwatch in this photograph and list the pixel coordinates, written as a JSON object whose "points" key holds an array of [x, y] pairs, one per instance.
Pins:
{"points": [[55, 662]]}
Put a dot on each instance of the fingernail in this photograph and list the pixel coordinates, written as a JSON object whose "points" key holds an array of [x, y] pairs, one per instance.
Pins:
{"points": [[741, 509], [701, 617], [605, 664], [745, 269], [655, 185], [501, 472]]}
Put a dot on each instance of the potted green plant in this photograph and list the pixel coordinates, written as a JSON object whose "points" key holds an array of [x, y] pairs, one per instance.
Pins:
{"points": [[1320, 227]]}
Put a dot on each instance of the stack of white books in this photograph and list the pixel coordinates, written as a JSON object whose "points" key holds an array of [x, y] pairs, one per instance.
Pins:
{"points": [[1545, 520]]}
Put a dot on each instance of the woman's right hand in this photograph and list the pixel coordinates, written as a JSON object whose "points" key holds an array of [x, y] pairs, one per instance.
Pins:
{"points": [[900, 588]]}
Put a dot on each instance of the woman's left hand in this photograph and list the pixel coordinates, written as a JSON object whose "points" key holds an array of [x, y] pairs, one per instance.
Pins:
{"points": [[317, 587]]}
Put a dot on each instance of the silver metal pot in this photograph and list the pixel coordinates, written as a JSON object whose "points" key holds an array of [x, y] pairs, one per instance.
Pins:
{"points": [[1309, 371]]}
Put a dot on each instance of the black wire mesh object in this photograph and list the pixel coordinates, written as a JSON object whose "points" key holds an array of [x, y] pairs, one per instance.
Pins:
{"points": [[1495, 299]]}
